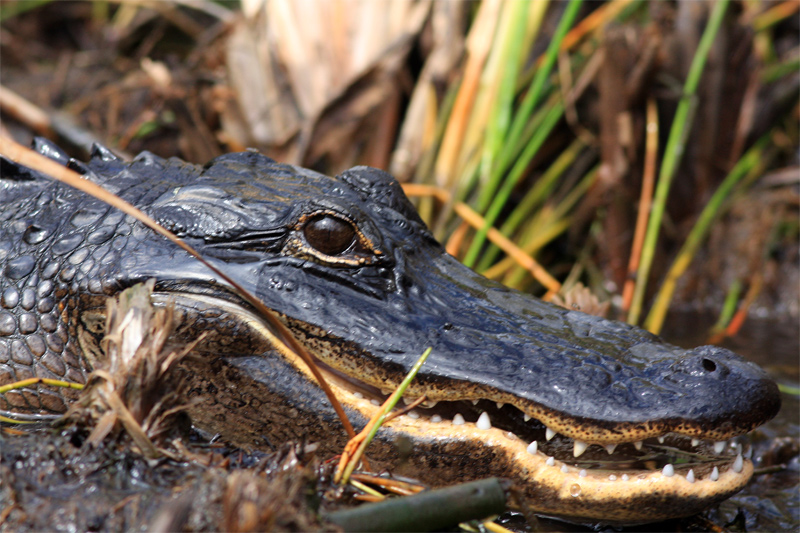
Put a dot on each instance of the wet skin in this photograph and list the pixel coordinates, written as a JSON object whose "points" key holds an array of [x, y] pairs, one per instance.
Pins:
{"points": [[354, 273]]}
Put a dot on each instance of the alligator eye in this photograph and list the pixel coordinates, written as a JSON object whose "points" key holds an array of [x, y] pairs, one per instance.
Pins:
{"points": [[328, 234]]}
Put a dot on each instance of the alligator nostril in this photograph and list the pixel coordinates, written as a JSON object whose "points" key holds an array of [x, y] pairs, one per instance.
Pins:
{"points": [[709, 365]]}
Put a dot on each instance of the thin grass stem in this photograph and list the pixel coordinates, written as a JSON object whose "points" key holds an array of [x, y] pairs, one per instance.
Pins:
{"points": [[673, 153], [749, 163]]}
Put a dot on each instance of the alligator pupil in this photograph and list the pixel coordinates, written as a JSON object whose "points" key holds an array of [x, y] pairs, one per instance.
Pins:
{"points": [[329, 235]]}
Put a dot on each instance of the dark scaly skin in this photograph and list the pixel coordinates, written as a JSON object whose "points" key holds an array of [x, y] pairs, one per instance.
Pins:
{"points": [[367, 313]]}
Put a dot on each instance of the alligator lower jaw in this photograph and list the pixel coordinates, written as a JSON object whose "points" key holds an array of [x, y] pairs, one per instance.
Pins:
{"points": [[618, 483], [597, 488]]}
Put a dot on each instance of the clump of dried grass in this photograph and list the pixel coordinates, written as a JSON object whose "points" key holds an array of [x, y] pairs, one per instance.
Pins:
{"points": [[581, 298], [140, 386]]}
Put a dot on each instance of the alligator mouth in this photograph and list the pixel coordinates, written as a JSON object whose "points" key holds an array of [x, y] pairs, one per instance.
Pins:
{"points": [[669, 454], [638, 477], [624, 483]]}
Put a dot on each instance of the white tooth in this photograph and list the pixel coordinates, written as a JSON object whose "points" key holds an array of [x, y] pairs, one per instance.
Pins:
{"points": [[612, 477], [429, 403], [690, 476], [661, 439], [436, 418], [625, 477], [749, 453], [458, 420], [719, 447], [695, 442], [549, 434], [714, 474], [413, 414], [475, 402], [375, 402], [739, 448], [565, 469], [551, 461], [579, 448], [582, 473], [499, 405], [386, 392], [638, 445], [526, 417], [533, 447], [483, 421], [738, 464], [668, 470], [358, 395], [610, 448]]}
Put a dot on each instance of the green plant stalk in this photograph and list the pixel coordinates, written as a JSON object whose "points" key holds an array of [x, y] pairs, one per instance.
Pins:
{"points": [[431, 510], [389, 405], [553, 229], [550, 120], [531, 100], [533, 199], [729, 306], [672, 156], [510, 60], [10, 10], [553, 223], [794, 390], [365, 488], [749, 163], [778, 71]]}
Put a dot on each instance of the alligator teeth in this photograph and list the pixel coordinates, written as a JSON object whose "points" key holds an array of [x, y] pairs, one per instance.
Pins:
{"points": [[499, 404], [695, 442], [551, 461], [612, 477], [565, 469], [549, 434], [429, 403], [358, 395], [668, 470], [610, 448], [661, 439], [625, 477], [475, 402], [719, 447], [483, 421], [526, 417], [458, 420], [582, 473], [738, 464], [533, 447], [638, 445], [386, 392], [690, 476], [375, 402], [413, 414], [714, 474], [436, 418], [579, 448]]}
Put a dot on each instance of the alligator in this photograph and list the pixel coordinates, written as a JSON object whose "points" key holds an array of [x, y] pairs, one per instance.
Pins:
{"points": [[592, 419]]}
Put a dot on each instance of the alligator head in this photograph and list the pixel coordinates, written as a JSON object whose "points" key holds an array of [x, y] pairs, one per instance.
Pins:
{"points": [[593, 419]]}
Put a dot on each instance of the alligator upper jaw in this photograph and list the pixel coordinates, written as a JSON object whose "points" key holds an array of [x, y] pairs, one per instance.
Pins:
{"points": [[624, 482]]}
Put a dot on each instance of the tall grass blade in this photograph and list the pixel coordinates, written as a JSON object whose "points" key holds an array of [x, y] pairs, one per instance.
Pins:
{"points": [[672, 155], [750, 162]]}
